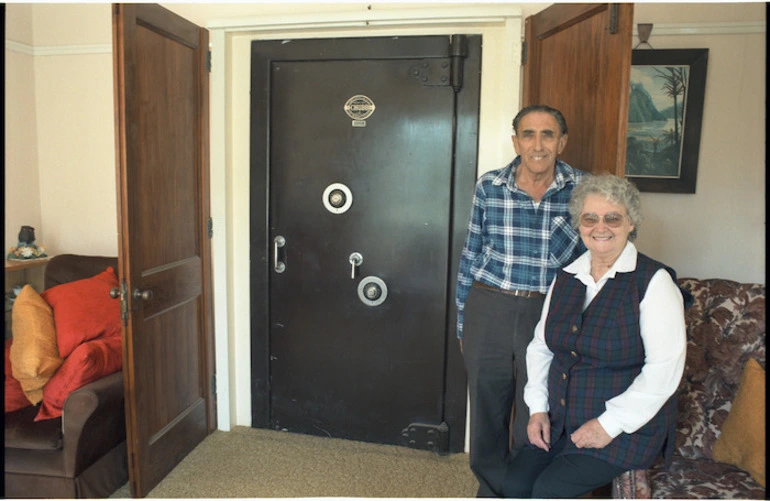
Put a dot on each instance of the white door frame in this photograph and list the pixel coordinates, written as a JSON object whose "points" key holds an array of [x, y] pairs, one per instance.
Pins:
{"points": [[501, 28]]}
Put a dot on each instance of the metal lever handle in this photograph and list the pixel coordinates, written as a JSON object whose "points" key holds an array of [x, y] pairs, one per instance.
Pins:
{"points": [[114, 293], [144, 295], [355, 260], [278, 266]]}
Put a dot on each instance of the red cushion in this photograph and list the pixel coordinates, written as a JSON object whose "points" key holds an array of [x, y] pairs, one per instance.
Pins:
{"points": [[15, 398], [88, 362], [84, 310]]}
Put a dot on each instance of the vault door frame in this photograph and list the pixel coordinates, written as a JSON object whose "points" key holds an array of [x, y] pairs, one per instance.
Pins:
{"points": [[463, 176], [501, 29]]}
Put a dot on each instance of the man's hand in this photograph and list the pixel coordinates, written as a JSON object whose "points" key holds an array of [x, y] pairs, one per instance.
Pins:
{"points": [[591, 435], [539, 430]]}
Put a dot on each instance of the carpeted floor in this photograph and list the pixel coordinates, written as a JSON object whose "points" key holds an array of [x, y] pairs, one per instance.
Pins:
{"points": [[251, 463]]}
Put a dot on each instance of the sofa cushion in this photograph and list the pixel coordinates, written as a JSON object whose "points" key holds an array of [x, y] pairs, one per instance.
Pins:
{"points": [[725, 328], [34, 352], [88, 362], [22, 432], [742, 442], [15, 398], [702, 479], [84, 310]]}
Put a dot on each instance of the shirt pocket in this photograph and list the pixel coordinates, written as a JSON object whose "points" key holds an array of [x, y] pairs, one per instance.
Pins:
{"points": [[562, 239]]}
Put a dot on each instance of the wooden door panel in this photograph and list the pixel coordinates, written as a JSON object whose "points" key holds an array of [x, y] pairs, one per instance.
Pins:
{"points": [[161, 84], [578, 59]]}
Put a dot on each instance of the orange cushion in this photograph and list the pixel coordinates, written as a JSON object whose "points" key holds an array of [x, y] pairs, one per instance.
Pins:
{"points": [[84, 310], [742, 441], [88, 362], [15, 398], [34, 353]]}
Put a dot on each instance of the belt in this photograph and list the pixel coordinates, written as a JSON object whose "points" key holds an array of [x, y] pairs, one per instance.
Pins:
{"points": [[517, 293]]}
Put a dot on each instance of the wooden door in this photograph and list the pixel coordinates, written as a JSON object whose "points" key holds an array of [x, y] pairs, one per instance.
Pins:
{"points": [[577, 58], [161, 93]]}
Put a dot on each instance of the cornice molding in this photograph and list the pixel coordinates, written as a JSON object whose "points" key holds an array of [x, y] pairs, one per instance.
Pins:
{"points": [[58, 50], [736, 28]]}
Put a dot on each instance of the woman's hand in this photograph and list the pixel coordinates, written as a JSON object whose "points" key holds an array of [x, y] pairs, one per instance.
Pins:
{"points": [[539, 430], [591, 435]]}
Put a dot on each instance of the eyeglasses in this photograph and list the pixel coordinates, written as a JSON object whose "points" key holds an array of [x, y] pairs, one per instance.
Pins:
{"points": [[611, 219]]}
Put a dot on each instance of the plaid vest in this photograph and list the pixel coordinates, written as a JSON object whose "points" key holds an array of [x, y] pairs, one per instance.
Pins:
{"points": [[597, 355]]}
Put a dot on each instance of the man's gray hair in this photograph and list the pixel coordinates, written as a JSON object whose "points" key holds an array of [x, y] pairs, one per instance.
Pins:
{"points": [[615, 189], [541, 108]]}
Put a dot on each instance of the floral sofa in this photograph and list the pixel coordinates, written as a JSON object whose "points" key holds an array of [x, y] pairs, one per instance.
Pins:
{"points": [[725, 329]]}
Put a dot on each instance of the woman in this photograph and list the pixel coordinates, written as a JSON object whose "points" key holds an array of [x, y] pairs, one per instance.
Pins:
{"points": [[606, 359]]}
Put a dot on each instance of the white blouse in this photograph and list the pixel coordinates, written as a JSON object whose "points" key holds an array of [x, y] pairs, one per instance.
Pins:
{"points": [[663, 334]]}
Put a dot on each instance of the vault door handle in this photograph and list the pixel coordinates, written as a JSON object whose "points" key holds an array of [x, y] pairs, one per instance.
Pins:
{"points": [[278, 243], [355, 261]]}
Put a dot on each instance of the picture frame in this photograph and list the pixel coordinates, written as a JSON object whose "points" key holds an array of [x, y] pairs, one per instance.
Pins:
{"points": [[664, 119]]}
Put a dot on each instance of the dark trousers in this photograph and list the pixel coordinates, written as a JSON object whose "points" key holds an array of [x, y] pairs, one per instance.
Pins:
{"points": [[496, 331], [535, 473]]}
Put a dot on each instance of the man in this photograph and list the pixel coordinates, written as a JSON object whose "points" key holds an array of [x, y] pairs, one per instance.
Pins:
{"points": [[519, 235]]}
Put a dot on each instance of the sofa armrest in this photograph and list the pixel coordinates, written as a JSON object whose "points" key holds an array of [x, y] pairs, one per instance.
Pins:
{"points": [[93, 422], [632, 484]]}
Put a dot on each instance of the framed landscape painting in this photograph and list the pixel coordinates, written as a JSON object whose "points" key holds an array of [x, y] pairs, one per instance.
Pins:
{"points": [[664, 119]]}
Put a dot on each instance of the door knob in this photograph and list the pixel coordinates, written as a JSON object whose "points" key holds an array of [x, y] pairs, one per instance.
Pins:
{"points": [[355, 260], [144, 295]]}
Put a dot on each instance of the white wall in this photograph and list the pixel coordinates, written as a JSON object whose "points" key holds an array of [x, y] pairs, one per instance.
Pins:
{"points": [[718, 232], [22, 181], [60, 127]]}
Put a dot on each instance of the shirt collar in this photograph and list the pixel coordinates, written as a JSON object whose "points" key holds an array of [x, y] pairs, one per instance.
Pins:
{"points": [[563, 174], [626, 263]]}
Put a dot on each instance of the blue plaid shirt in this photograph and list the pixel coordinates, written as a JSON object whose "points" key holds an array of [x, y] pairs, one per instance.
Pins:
{"points": [[512, 243]]}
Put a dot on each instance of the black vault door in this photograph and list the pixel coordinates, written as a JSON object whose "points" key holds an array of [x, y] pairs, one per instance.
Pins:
{"points": [[360, 235]]}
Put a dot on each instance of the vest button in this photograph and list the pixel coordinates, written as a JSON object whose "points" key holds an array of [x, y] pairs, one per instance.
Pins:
{"points": [[563, 376], [574, 355], [562, 402], [574, 328]]}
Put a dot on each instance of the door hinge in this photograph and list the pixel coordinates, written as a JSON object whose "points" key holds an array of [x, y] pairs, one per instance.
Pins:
{"points": [[213, 384], [523, 52], [208, 61], [433, 437], [613, 18], [210, 228], [458, 51]]}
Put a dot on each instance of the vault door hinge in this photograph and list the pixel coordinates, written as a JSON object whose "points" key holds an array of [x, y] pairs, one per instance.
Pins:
{"points": [[458, 52], [208, 61], [433, 437], [523, 52], [213, 384], [210, 228]]}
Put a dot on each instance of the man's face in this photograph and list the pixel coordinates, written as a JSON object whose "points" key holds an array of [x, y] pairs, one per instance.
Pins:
{"points": [[538, 142]]}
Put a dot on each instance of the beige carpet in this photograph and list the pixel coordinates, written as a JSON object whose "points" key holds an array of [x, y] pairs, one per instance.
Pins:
{"points": [[251, 463]]}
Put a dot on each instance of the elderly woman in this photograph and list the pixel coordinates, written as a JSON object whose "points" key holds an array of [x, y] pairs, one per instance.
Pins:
{"points": [[606, 359]]}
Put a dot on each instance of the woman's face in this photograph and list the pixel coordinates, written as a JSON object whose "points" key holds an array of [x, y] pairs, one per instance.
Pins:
{"points": [[605, 241]]}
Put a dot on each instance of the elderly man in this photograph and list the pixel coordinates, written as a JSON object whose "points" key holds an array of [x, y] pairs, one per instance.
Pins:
{"points": [[519, 235]]}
